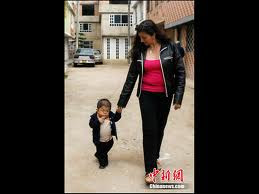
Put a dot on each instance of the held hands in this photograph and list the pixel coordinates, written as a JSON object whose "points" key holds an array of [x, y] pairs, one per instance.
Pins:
{"points": [[119, 109]]}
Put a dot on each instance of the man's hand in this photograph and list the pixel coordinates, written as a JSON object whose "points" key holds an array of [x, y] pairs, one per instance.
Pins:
{"points": [[177, 106], [119, 109]]}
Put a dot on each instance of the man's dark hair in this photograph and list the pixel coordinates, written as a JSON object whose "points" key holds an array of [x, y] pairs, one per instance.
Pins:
{"points": [[104, 102]]}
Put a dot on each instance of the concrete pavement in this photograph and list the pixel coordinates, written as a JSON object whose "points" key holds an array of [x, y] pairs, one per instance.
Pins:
{"points": [[125, 173]]}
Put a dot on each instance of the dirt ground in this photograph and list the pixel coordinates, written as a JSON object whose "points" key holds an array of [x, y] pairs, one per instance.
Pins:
{"points": [[125, 173]]}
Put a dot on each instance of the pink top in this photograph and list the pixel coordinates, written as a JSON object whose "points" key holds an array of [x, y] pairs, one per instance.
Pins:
{"points": [[153, 78]]}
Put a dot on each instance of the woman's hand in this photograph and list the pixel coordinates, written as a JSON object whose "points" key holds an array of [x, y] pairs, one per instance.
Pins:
{"points": [[119, 109], [177, 106]]}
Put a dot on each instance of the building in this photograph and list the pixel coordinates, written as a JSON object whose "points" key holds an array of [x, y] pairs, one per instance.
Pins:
{"points": [[176, 18], [69, 33], [114, 30], [139, 12], [89, 24]]}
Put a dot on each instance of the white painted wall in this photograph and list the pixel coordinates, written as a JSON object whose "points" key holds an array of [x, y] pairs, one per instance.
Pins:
{"points": [[104, 6], [139, 7], [107, 30]]}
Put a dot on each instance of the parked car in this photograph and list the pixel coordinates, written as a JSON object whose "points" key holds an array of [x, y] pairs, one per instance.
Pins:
{"points": [[98, 56], [84, 56]]}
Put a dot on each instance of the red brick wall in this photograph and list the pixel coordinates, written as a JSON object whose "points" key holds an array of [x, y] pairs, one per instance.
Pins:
{"points": [[170, 11]]}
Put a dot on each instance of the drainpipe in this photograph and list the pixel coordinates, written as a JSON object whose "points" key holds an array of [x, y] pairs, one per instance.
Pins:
{"points": [[128, 30], [77, 25]]}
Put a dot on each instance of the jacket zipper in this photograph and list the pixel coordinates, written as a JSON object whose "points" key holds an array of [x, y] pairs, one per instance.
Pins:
{"points": [[141, 73], [163, 71]]}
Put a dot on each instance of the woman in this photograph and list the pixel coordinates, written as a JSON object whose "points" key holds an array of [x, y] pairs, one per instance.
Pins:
{"points": [[161, 73]]}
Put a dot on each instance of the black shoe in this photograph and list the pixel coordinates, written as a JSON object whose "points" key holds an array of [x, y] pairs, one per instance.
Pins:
{"points": [[102, 167]]}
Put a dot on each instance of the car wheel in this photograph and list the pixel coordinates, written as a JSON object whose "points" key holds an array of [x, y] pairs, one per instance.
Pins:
{"points": [[75, 65]]}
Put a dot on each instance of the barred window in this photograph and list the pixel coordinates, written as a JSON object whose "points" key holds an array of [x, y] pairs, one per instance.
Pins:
{"points": [[120, 20], [190, 38], [108, 48], [126, 47], [85, 27], [117, 48]]}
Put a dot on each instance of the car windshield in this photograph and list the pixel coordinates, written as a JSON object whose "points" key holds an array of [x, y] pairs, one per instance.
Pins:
{"points": [[96, 52], [84, 51]]}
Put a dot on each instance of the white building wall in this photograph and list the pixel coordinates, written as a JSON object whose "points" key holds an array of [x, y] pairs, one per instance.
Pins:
{"points": [[140, 12], [107, 30], [114, 32]]}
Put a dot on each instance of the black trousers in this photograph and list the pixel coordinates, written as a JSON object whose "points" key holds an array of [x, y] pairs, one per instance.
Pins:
{"points": [[154, 109], [102, 150]]}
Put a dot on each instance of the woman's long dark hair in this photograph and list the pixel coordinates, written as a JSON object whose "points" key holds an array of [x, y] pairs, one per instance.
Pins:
{"points": [[149, 27]]}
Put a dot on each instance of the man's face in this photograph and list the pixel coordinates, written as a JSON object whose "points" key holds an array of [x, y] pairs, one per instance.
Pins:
{"points": [[103, 111], [146, 38]]}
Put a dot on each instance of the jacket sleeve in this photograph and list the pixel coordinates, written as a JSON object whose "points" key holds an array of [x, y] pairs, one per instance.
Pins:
{"points": [[179, 76], [94, 122], [117, 116], [128, 85]]}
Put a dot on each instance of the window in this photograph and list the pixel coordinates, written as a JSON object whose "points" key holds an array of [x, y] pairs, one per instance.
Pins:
{"points": [[124, 19], [117, 48], [85, 27], [87, 10], [88, 44], [190, 38], [118, 2], [120, 20], [108, 48], [126, 47], [117, 19]]}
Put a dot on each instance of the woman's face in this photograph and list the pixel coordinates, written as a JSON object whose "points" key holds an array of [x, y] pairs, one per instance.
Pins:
{"points": [[146, 38]]}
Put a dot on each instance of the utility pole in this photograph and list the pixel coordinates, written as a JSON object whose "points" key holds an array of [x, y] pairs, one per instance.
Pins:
{"points": [[128, 29], [77, 25]]}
